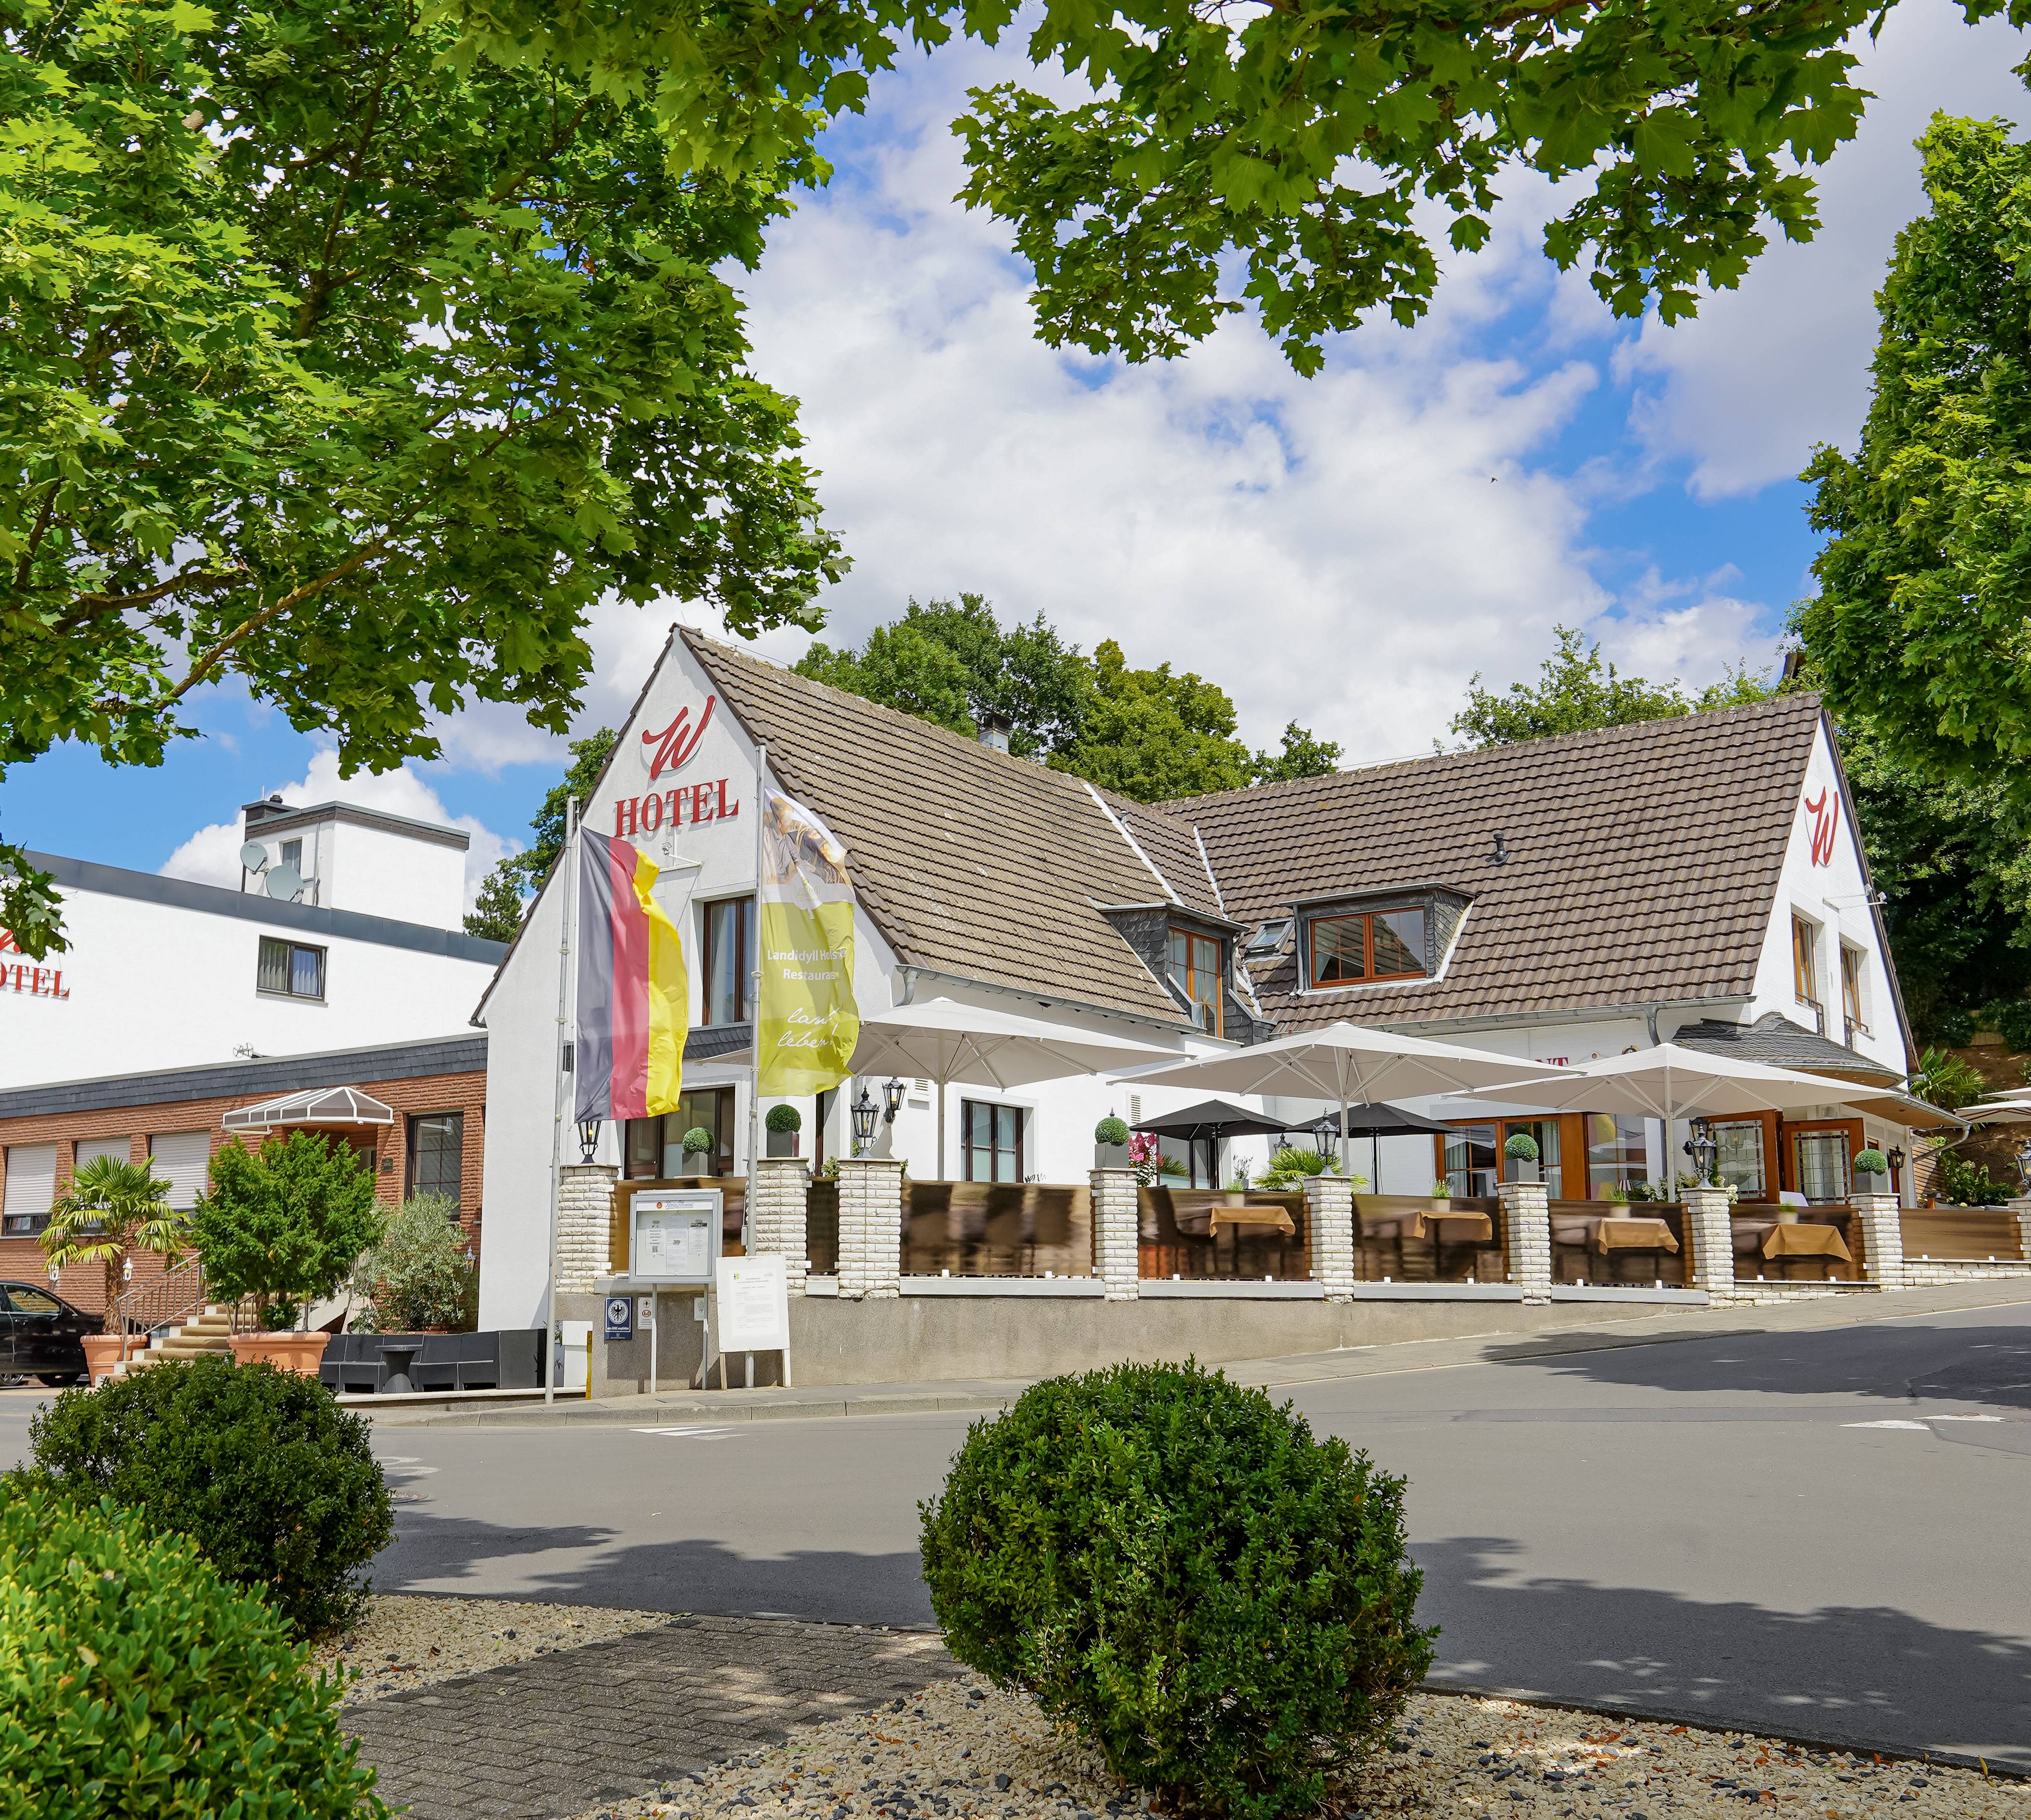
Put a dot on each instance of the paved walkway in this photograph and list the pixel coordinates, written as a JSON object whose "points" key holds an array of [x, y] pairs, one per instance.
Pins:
{"points": [[613, 1720], [1594, 1326]]}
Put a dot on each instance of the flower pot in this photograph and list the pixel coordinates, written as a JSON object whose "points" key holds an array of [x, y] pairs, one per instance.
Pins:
{"points": [[1440, 1203], [1871, 1181], [300, 1353], [101, 1353], [782, 1143], [1517, 1169], [1111, 1156], [1234, 1197]]}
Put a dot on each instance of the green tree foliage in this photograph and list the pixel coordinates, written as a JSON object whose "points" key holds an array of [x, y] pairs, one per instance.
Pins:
{"points": [[504, 893], [1299, 155], [1945, 1081], [1178, 1572], [416, 1274], [1578, 691], [347, 367], [112, 1209], [1922, 627], [1151, 734], [276, 1484], [135, 1680], [287, 1220]]}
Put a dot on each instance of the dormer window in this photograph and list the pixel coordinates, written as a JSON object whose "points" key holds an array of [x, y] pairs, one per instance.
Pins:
{"points": [[1195, 971], [1356, 949]]}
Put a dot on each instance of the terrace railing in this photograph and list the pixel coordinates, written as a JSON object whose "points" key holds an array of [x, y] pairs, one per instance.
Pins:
{"points": [[1961, 1235], [1414, 1238], [1191, 1233], [1751, 1222], [1009, 1228]]}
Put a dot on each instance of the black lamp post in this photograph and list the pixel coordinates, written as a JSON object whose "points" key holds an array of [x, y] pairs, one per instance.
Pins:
{"points": [[864, 1112], [588, 1137], [1704, 1151], [892, 1099]]}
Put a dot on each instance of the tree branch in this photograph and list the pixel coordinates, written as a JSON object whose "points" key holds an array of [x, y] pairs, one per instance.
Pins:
{"points": [[247, 627]]}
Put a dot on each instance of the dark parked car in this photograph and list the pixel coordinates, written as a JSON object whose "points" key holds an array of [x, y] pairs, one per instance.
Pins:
{"points": [[42, 1334]]}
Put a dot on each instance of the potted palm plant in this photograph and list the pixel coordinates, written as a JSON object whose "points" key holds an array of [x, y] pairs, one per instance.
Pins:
{"points": [[114, 1209], [1110, 1143], [783, 1123], [1520, 1156]]}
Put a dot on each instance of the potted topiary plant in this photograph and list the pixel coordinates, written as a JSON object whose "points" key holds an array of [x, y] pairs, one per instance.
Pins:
{"points": [[1520, 1155], [1110, 1143], [699, 1142], [783, 1123], [1871, 1171]]}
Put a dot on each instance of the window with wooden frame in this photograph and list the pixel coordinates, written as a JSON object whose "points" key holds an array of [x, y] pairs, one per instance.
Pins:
{"points": [[729, 959], [1851, 961], [1369, 945], [992, 1139], [1805, 968], [1196, 971]]}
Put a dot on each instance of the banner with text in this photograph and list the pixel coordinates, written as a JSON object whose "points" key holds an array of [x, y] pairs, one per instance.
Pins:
{"points": [[807, 1022]]}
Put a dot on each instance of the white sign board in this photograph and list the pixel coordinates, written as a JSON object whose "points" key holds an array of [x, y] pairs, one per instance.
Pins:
{"points": [[754, 1305], [675, 1235]]}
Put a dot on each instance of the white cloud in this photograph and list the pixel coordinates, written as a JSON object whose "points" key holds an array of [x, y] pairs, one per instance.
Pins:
{"points": [[211, 855], [1766, 371]]}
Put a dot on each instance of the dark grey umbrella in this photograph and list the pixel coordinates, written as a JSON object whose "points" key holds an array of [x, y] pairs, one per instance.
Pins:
{"points": [[1374, 1120], [1212, 1120]]}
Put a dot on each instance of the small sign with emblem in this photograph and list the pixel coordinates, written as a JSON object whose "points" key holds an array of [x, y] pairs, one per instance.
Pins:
{"points": [[621, 1317]]}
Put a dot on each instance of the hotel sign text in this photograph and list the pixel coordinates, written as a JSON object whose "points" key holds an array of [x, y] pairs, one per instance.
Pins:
{"points": [[668, 750]]}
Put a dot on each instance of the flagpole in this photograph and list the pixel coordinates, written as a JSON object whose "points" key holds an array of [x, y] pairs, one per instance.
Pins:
{"points": [[754, 1000], [568, 864]]}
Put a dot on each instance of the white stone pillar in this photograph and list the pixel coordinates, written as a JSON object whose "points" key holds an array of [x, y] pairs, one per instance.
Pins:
{"points": [[1526, 1237], [870, 1226], [1329, 1208], [2022, 1209], [1711, 1239], [1882, 1239], [1117, 1233], [585, 1213], [775, 1192]]}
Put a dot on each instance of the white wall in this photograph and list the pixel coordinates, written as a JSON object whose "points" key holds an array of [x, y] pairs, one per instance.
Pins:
{"points": [[382, 873], [148, 985]]}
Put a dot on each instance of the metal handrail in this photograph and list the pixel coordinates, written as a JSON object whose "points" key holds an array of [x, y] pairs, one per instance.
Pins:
{"points": [[177, 1295]]}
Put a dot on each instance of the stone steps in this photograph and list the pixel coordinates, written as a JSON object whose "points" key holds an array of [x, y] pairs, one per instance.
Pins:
{"points": [[210, 1332]]}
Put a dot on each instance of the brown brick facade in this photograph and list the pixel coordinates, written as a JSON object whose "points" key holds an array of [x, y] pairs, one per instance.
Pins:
{"points": [[21, 1258]]}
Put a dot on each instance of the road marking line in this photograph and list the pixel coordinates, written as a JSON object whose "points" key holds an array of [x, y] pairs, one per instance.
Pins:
{"points": [[687, 1434], [1920, 1426]]}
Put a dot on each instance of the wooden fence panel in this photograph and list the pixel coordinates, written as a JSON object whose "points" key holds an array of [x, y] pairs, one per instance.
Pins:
{"points": [[1409, 1238], [1180, 1237], [1961, 1234]]}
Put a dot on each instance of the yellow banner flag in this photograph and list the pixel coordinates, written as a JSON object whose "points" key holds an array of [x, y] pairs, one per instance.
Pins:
{"points": [[807, 1020]]}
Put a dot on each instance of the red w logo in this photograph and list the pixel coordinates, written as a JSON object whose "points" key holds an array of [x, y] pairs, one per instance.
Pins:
{"points": [[674, 746], [1824, 810], [8, 945]]}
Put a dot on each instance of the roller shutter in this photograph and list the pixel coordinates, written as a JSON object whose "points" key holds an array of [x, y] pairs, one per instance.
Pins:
{"points": [[180, 1158]]}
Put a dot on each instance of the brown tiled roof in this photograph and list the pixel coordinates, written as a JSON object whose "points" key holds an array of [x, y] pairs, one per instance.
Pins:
{"points": [[971, 862], [1642, 862], [1172, 846]]}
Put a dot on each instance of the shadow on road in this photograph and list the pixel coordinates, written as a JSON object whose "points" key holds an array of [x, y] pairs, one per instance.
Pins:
{"points": [[585, 1564], [1989, 1363], [1872, 1677]]}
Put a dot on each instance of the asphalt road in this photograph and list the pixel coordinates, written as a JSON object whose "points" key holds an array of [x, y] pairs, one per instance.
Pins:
{"points": [[1821, 1533]]}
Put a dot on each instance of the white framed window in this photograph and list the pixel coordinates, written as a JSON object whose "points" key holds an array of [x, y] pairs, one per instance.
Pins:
{"points": [[31, 1187], [182, 1159], [289, 969]]}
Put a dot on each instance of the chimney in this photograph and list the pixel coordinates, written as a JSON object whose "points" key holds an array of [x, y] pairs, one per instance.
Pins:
{"points": [[994, 732]]}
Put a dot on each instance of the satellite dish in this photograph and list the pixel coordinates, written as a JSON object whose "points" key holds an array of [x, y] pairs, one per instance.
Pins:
{"points": [[285, 882], [253, 856]]}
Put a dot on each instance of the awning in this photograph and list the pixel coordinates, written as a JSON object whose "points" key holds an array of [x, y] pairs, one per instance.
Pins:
{"points": [[313, 1105]]}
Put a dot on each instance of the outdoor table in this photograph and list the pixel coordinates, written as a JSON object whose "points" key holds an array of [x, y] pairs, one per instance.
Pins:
{"points": [[1747, 1234], [1279, 1217], [1457, 1228], [1799, 1239], [1634, 1235], [399, 1360], [1579, 1231]]}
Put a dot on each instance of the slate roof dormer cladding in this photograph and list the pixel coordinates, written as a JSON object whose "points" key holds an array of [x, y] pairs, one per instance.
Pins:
{"points": [[971, 862], [1642, 864], [1776, 1039]]}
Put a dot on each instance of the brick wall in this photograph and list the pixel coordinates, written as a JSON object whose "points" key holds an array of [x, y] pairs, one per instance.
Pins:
{"points": [[21, 1258]]}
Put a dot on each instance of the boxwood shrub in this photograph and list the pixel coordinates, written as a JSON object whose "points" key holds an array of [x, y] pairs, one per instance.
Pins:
{"points": [[133, 1680], [276, 1484], [1172, 1565]]}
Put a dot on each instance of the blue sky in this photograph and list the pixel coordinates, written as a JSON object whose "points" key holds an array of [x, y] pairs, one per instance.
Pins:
{"points": [[1345, 551]]}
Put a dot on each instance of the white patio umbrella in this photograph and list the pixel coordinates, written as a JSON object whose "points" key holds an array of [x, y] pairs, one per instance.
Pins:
{"points": [[1670, 1082], [1346, 1064], [946, 1041]]}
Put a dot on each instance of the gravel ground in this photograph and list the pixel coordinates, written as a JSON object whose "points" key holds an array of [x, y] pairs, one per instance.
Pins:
{"points": [[960, 1751], [405, 1642]]}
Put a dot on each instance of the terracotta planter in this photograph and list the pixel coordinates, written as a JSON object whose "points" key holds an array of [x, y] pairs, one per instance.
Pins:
{"points": [[298, 1353], [101, 1353]]}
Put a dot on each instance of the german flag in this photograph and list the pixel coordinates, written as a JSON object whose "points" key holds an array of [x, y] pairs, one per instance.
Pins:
{"points": [[634, 997]]}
